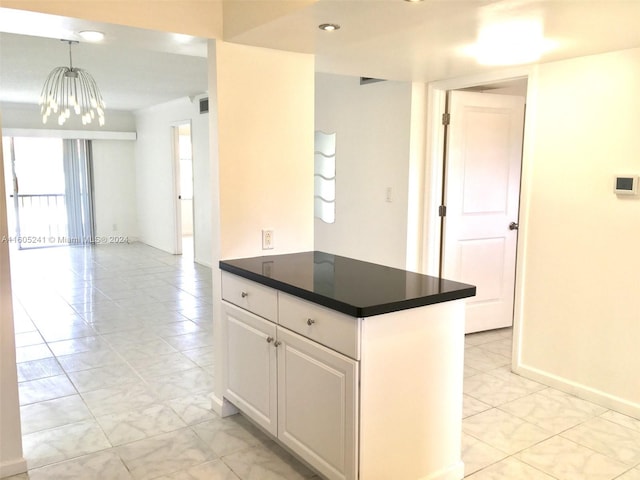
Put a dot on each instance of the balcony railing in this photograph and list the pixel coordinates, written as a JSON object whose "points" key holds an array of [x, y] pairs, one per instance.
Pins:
{"points": [[42, 219]]}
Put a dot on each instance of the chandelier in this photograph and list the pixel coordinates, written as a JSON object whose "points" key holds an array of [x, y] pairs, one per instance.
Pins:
{"points": [[68, 89]]}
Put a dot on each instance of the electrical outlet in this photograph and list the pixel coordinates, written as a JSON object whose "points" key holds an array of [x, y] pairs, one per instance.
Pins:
{"points": [[267, 239]]}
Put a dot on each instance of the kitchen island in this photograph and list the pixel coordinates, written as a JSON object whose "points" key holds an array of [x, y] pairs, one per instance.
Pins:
{"points": [[355, 367]]}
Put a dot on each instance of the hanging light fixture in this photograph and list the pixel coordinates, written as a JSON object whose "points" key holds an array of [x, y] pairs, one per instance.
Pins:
{"points": [[69, 89]]}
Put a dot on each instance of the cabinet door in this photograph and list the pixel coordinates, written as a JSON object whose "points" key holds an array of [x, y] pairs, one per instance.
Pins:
{"points": [[251, 366], [317, 405]]}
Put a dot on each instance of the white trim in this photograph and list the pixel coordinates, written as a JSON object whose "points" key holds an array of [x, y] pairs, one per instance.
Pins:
{"points": [[13, 467], [580, 390], [69, 134]]}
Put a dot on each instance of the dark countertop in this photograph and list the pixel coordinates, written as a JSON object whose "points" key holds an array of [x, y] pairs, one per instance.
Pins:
{"points": [[354, 287]]}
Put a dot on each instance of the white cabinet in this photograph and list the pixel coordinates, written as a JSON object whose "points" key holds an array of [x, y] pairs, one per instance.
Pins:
{"points": [[251, 366], [317, 405], [298, 390], [356, 398]]}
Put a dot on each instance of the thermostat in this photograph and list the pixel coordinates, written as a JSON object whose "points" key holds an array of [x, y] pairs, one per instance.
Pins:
{"points": [[625, 185]]}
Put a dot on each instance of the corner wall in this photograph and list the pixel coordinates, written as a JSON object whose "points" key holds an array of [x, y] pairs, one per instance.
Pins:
{"points": [[578, 278], [373, 145], [155, 180]]}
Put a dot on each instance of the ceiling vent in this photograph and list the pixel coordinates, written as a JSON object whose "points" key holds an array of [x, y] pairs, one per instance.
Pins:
{"points": [[368, 80], [204, 105]]}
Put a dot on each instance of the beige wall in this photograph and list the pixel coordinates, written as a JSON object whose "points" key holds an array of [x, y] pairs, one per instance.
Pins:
{"points": [[11, 461], [580, 280], [193, 17], [265, 135]]}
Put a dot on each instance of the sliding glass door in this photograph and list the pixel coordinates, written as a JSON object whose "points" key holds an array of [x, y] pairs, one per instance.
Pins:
{"points": [[49, 181]]}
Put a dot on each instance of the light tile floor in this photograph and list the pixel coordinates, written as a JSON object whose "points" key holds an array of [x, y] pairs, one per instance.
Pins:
{"points": [[114, 345]]}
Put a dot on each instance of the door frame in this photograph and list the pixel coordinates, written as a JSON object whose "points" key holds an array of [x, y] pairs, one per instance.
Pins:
{"points": [[175, 165], [433, 181]]}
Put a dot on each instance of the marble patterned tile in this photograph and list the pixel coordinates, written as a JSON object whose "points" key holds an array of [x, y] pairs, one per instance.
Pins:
{"points": [[127, 427], [266, 462], [78, 345], [552, 410], [53, 413], [202, 356], [215, 470], [32, 352], [230, 434], [186, 382], [58, 332], [42, 389], [119, 399], [105, 465], [633, 474], [620, 419], [508, 469], [88, 360], [472, 406], [566, 460], [476, 454], [145, 350], [480, 338], [102, 377], [174, 328], [36, 369], [164, 454], [484, 360], [608, 438], [193, 409], [503, 431], [62, 443], [503, 346], [163, 365], [497, 390], [26, 339], [189, 341]]}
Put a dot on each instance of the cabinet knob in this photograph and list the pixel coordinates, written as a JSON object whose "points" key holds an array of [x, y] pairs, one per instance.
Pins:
{"points": [[269, 339], [244, 294], [310, 321], [277, 343]]}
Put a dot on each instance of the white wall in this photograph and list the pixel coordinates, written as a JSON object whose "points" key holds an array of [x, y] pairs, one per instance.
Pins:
{"points": [[373, 126], [155, 188], [26, 115], [579, 278], [114, 189]]}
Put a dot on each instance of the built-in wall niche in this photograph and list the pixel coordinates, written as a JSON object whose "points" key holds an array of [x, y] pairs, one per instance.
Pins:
{"points": [[324, 174]]}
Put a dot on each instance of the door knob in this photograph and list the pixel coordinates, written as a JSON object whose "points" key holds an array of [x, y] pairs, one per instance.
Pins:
{"points": [[513, 226]]}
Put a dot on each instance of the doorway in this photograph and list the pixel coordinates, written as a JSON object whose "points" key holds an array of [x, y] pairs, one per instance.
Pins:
{"points": [[478, 164], [183, 177]]}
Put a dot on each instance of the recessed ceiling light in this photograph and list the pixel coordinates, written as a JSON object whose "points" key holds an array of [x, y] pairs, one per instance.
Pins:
{"points": [[91, 36], [413, 1], [329, 27]]}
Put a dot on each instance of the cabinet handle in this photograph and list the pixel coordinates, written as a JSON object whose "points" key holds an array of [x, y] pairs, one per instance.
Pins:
{"points": [[244, 294], [310, 321], [269, 339], [277, 343]]}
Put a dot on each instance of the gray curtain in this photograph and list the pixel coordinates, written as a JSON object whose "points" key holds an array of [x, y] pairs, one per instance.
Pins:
{"points": [[78, 176]]}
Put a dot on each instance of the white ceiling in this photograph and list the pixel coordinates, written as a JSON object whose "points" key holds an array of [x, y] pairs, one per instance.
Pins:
{"points": [[390, 39]]}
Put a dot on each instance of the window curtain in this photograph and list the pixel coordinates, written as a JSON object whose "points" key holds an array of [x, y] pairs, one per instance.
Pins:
{"points": [[78, 176]]}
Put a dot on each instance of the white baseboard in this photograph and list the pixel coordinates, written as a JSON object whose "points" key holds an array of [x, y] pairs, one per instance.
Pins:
{"points": [[584, 392], [13, 467]]}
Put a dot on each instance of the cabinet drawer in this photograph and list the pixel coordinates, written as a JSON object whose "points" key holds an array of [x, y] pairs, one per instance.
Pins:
{"points": [[327, 327], [251, 296]]}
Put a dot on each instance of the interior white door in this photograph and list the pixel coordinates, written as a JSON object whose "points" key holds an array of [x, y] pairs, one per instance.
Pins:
{"points": [[482, 193]]}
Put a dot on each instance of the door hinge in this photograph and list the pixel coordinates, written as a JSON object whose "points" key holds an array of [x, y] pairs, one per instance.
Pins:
{"points": [[446, 118], [442, 210]]}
